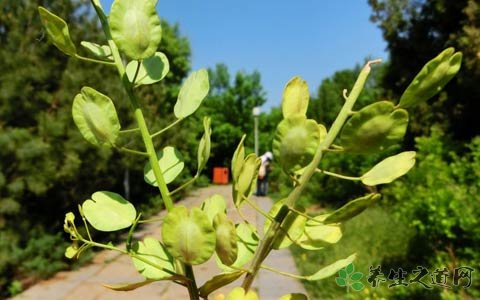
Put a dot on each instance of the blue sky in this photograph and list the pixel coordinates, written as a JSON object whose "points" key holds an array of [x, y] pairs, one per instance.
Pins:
{"points": [[279, 38]]}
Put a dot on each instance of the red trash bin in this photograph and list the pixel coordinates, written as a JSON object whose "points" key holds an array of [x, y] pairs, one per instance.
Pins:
{"points": [[220, 175]]}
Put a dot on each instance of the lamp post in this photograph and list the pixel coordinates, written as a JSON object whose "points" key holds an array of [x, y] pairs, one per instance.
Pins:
{"points": [[256, 113]]}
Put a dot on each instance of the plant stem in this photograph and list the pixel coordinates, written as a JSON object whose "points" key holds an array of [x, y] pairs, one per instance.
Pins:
{"points": [[192, 180], [129, 130], [142, 125], [192, 287], [166, 128], [282, 273], [338, 175], [266, 243], [110, 63], [131, 151]]}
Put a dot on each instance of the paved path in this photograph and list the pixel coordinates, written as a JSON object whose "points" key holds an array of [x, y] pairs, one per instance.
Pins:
{"points": [[111, 268]]}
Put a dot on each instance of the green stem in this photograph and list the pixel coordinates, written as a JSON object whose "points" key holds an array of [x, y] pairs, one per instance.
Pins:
{"points": [[97, 61], [142, 125], [166, 128], [192, 180], [338, 175], [129, 130], [192, 287], [130, 233], [131, 151], [266, 243], [282, 272]]}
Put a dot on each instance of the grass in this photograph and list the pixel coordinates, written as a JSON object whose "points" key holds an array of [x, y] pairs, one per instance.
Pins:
{"points": [[375, 237]]}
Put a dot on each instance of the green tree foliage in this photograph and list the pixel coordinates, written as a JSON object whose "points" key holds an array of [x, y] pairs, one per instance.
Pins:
{"points": [[440, 200], [230, 105], [416, 29], [44, 159]]}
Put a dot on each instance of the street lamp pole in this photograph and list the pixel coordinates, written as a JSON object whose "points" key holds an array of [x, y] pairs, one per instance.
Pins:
{"points": [[256, 114]]}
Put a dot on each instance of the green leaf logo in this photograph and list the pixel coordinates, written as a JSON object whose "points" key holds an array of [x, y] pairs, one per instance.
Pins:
{"points": [[347, 277]]}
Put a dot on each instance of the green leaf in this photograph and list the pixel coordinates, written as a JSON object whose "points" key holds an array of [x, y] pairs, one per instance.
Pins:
{"points": [[247, 179], [57, 31], [238, 159], [295, 143], [171, 163], [293, 224], [189, 237], [192, 93], [342, 274], [218, 281], [350, 268], [352, 209], [374, 128], [226, 236], [135, 27], [98, 50], [340, 281], [331, 269], [125, 287], [155, 253], [432, 78], [204, 146], [295, 98], [152, 69], [357, 286], [213, 205], [294, 296], [238, 293], [96, 117], [390, 169], [247, 242], [356, 276], [319, 232], [108, 211]]}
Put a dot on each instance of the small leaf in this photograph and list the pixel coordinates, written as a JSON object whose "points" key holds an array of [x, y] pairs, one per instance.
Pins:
{"points": [[238, 159], [213, 205], [204, 146], [295, 98], [125, 287], [357, 286], [247, 242], [189, 237], [340, 281], [192, 93], [374, 128], [294, 296], [316, 231], [152, 69], [295, 143], [331, 269], [247, 179], [219, 281], [342, 274], [96, 117], [356, 276], [226, 245], [171, 163], [135, 27], [108, 211], [432, 78], [390, 169], [97, 50], [57, 31], [350, 268], [154, 252], [352, 209]]}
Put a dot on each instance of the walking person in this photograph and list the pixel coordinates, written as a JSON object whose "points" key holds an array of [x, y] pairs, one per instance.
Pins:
{"points": [[262, 182]]}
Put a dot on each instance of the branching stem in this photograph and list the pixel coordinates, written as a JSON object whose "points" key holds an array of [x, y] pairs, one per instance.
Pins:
{"points": [[166, 128]]}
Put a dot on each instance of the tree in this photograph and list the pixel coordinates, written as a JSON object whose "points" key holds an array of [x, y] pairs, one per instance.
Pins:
{"points": [[416, 29], [230, 105]]}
